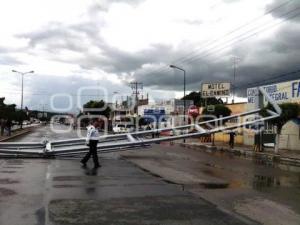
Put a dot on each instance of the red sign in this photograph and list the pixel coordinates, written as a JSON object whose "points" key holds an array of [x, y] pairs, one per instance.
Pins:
{"points": [[193, 111]]}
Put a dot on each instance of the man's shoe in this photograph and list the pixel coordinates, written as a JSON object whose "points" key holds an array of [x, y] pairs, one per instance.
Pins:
{"points": [[97, 166]]}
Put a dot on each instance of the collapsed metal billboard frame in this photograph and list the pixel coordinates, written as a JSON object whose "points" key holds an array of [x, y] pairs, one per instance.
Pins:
{"points": [[134, 140]]}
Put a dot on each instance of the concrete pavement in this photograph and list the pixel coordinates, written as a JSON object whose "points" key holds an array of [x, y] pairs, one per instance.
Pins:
{"points": [[35, 191], [19, 132], [255, 189], [166, 180]]}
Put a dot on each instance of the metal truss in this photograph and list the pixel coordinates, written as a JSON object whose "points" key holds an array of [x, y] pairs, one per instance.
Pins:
{"points": [[136, 140]]}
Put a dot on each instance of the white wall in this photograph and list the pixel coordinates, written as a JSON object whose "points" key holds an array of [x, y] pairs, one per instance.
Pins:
{"points": [[289, 138]]}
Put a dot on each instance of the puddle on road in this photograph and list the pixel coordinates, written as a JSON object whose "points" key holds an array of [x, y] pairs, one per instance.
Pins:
{"points": [[4, 192], [7, 171], [8, 181], [67, 178], [15, 161], [260, 183], [13, 167]]}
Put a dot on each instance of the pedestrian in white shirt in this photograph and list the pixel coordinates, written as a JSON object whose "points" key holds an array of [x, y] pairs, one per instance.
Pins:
{"points": [[92, 139]]}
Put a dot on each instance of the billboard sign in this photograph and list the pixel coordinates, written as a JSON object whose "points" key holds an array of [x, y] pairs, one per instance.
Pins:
{"points": [[150, 115], [217, 90], [281, 92]]}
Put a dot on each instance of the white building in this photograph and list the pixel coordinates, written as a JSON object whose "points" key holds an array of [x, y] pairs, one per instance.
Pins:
{"points": [[174, 110]]}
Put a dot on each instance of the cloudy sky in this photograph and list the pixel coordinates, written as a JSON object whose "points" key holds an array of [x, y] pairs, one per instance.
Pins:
{"points": [[108, 43]]}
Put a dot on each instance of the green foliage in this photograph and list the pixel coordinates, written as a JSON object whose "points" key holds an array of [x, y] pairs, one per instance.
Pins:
{"points": [[19, 116], [289, 111], [220, 111], [199, 101], [104, 110], [9, 112]]}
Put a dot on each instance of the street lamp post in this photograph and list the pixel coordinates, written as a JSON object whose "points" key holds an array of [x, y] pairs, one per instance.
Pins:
{"points": [[184, 87], [22, 92]]}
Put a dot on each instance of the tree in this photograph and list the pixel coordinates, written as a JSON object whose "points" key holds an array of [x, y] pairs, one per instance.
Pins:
{"points": [[94, 108], [199, 101], [20, 116], [104, 110], [9, 112], [220, 110], [289, 111]]}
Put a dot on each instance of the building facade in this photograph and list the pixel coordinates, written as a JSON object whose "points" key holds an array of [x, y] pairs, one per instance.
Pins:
{"points": [[281, 93]]}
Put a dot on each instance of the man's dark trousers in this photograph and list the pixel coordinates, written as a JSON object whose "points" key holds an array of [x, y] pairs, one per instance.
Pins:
{"points": [[92, 152]]}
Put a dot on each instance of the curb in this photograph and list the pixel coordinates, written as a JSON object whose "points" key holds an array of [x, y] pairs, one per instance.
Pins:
{"points": [[248, 154], [17, 135], [205, 183]]}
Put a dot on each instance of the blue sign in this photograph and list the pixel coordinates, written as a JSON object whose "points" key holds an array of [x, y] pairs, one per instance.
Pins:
{"points": [[154, 115]]}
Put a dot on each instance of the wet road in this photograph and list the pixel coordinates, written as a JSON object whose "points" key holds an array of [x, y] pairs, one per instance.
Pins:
{"points": [[59, 191], [53, 132], [256, 188]]}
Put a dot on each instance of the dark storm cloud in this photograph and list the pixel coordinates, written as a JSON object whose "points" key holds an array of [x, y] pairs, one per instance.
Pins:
{"points": [[286, 9], [118, 61], [259, 60], [58, 38]]}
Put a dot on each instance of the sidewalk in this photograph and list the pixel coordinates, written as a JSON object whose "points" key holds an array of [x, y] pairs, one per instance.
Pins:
{"points": [[18, 132], [283, 156]]}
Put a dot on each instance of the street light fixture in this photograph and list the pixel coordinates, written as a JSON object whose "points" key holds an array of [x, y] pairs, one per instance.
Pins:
{"points": [[184, 87], [22, 94]]}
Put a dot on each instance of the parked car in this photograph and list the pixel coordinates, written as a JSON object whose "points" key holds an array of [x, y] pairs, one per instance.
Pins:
{"points": [[123, 128], [26, 122]]}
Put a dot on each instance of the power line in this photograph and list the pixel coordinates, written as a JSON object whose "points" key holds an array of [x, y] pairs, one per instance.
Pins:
{"points": [[253, 34], [278, 78], [243, 37], [136, 86], [162, 68], [49, 94]]}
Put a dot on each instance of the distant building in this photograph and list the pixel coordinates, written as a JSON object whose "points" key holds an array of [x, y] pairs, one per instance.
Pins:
{"points": [[236, 108], [173, 110]]}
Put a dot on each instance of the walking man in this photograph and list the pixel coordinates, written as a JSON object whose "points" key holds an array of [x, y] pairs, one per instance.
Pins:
{"points": [[2, 124], [231, 139], [92, 141], [8, 127]]}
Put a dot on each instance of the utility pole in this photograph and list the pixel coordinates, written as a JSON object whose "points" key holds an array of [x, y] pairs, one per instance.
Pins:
{"points": [[136, 86], [184, 87], [22, 88], [43, 106], [235, 62]]}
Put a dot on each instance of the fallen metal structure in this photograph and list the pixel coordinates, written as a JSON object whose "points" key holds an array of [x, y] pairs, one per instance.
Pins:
{"points": [[137, 140]]}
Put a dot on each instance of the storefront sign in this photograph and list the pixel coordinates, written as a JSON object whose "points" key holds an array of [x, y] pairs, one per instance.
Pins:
{"points": [[281, 92], [217, 90]]}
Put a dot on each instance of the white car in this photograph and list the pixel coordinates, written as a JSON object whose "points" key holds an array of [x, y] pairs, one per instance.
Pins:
{"points": [[123, 128]]}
